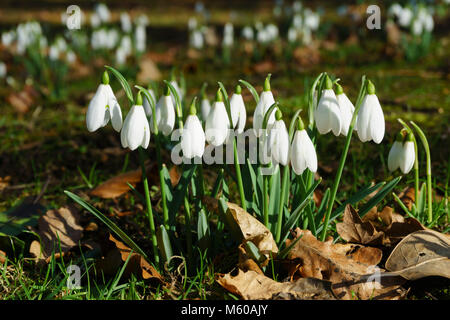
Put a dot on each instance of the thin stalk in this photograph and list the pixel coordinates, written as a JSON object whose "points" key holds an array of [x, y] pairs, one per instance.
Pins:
{"points": [[149, 207], [239, 175], [282, 199], [266, 200], [187, 221], [162, 183], [426, 146], [416, 162], [342, 161]]}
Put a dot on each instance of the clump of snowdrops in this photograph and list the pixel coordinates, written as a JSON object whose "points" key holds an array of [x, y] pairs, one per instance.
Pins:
{"points": [[275, 176]]}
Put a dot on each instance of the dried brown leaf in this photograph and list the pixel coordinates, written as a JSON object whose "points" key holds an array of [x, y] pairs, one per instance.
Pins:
{"points": [[353, 229], [59, 231], [345, 265], [421, 254], [148, 70], [117, 186], [251, 285]]}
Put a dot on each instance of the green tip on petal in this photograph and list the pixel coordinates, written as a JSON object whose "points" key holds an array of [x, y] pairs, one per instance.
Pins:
{"points": [[328, 83], [192, 108], [267, 83], [139, 101], [219, 97], [278, 114], [370, 87], [339, 89], [238, 89], [300, 125], [105, 78], [167, 91]]}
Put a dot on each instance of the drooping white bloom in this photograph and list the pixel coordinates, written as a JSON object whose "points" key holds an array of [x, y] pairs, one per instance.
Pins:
{"points": [[192, 137], [205, 107], [146, 103], [408, 157], [417, 27], [141, 38], [53, 53], [8, 38], [192, 23], [177, 88], [217, 124], [402, 154], [312, 20], [103, 12], [292, 35], [71, 57], [125, 22], [136, 131], [95, 20], [279, 142], [346, 107], [2, 69], [165, 115], [303, 153], [103, 107], [394, 155], [370, 124], [238, 111], [266, 100], [405, 17], [228, 35], [247, 33], [196, 40], [328, 115]]}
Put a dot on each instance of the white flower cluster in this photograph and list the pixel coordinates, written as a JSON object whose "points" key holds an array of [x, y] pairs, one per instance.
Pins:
{"points": [[304, 23], [419, 18]]}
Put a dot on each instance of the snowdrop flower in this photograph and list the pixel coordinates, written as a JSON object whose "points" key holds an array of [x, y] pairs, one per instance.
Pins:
{"points": [[272, 31], [428, 23], [395, 10], [192, 23], [53, 53], [141, 38], [95, 20], [247, 33], [402, 154], [328, 114], [370, 125], [103, 107], [312, 20], [174, 83], [196, 39], [217, 124], [8, 38], [136, 130], [228, 35], [125, 22], [265, 101], [147, 106], [192, 136], [346, 107], [205, 106], [2, 69], [164, 114], [238, 111], [279, 141], [303, 153], [71, 57], [417, 27], [292, 34], [297, 21], [405, 17], [103, 12]]}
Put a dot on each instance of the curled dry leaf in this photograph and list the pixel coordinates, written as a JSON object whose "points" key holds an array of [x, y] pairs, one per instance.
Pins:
{"points": [[246, 262], [421, 254], [353, 229], [2, 257], [117, 186], [137, 265], [347, 266], [59, 231], [175, 175], [377, 227], [252, 285], [253, 230]]}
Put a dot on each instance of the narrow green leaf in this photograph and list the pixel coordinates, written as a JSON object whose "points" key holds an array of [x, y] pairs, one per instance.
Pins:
{"points": [[251, 89], [379, 196], [123, 82], [164, 244]]}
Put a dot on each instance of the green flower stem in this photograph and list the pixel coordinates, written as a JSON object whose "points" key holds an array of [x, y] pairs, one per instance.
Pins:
{"points": [[266, 200], [239, 175], [426, 146], [342, 161], [284, 186], [416, 162], [149, 207], [187, 222]]}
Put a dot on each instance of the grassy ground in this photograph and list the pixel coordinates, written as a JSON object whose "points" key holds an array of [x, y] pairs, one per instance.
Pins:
{"points": [[48, 149]]}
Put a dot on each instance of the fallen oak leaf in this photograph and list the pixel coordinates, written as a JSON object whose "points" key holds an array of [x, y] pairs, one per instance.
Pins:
{"points": [[59, 231], [251, 285], [118, 185], [344, 266], [353, 229], [253, 230], [421, 254]]}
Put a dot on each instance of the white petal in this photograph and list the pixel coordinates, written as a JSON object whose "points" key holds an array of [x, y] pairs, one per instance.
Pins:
{"points": [[135, 133], [394, 156], [95, 115], [309, 151], [377, 120], [279, 143], [205, 108], [217, 124], [266, 100], [193, 138], [346, 107], [407, 157], [328, 114], [364, 116]]}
